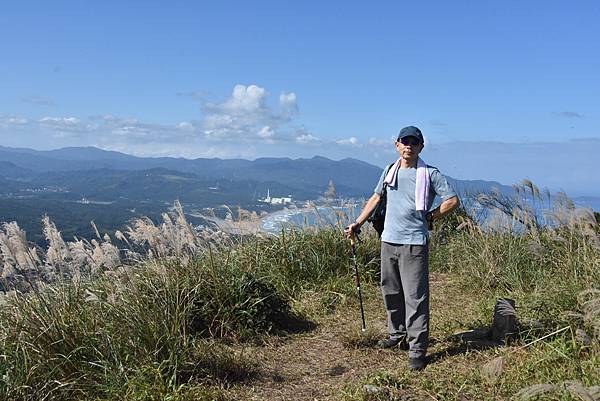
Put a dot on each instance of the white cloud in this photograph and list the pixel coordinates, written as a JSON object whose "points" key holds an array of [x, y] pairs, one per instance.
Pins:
{"points": [[64, 127], [185, 125], [60, 121], [266, 132], [245, 124], [288, 103], [245, 114], [246, 98], [105, 130], [383, 143], [109, 118], [306, 138], [17, 120], [352, 141]]}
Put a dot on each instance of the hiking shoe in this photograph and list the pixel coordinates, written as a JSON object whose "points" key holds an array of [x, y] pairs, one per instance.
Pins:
{"points": [[417, 363], [393, 342]]}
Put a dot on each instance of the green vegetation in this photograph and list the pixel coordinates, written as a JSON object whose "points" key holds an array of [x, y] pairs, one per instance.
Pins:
{"points": [[104, 330], [184, 315], [552, 271], [153, 322]]}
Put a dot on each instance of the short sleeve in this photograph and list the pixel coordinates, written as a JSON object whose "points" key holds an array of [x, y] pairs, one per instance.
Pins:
{"points": [[379, 187], [441, 186]]}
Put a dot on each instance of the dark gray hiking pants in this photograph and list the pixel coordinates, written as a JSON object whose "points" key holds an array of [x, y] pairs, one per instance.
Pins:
{"points": [[405, 288]]}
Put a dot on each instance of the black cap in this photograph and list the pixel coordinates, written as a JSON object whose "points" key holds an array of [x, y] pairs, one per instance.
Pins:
{"points": [[410, 131]]}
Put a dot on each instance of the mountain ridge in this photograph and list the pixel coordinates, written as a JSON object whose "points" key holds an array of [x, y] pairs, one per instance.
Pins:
{"points": [[352, 177]]}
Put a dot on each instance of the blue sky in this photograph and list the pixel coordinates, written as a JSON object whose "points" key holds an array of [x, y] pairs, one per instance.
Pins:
{"points": [[502, 90]]}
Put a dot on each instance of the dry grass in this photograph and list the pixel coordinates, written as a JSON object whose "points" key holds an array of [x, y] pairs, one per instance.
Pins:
{"points": [[25, 266]]}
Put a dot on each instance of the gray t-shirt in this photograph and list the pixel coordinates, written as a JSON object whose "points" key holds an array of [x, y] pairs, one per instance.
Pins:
{"points": [[403, 223]]}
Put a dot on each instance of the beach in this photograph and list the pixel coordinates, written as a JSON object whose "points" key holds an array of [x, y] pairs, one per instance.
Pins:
{"points": [[272, 223]]}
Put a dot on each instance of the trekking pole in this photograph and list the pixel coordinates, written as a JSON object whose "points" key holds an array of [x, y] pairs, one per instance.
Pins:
{"points": [[353, 239]]}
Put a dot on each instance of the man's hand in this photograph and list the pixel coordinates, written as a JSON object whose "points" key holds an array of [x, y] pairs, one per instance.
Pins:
{"points": [[446, 207], [352, 229]]}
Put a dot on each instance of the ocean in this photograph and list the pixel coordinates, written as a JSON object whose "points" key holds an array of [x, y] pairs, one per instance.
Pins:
{"points": [[319, 216]]}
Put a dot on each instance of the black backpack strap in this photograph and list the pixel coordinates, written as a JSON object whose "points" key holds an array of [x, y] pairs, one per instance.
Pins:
{"points": [[377, 217], [387, 170]]}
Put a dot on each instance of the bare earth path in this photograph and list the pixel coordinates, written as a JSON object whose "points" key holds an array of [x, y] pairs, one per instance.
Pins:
{"points": [[334, 360]]}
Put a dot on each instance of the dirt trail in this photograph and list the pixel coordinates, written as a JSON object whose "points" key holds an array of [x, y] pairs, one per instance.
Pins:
{"points": [[321, 364]]}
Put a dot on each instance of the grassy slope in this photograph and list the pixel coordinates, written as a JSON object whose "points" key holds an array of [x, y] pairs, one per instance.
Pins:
{"points": [[278, 319]]}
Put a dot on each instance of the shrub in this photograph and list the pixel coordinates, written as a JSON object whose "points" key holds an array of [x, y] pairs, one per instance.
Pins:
{"points": [[77, 340]]}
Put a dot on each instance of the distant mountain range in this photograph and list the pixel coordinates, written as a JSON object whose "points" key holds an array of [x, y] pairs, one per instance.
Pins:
{"points": [[111, 174], [305, 178]]}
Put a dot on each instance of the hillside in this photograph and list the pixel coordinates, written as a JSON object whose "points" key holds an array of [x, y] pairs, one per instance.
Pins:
{"points": [[188, 315]]}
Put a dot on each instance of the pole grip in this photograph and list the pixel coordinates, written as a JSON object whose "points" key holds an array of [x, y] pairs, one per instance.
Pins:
{"points": [[354, 236]]}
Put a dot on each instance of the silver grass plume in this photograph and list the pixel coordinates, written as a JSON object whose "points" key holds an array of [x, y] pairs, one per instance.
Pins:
{"points": [[95, 229], [15, 249], [81, 254], [190, 237], [175, 237], [121, 237], [58, 252], [111, 257], [143, 232], [105, 256]]}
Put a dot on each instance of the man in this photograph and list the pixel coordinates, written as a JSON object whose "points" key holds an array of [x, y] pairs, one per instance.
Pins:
{"points": [[411, 187]]}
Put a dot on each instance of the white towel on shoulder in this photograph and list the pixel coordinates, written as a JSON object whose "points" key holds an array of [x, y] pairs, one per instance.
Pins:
{"points": [[422, 186]]}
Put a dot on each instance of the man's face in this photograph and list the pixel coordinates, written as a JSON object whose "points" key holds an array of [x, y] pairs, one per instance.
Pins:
{"points": [[409, 147]]}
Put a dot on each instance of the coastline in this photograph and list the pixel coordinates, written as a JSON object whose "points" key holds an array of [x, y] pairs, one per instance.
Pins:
{"points": [[243, 227], [272, 223], [260, 225]]}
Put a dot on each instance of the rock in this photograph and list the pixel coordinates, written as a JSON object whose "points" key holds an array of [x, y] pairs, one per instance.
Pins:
{"points": [[371, 389], [594, 392], [576, 388], [505, 320], [533, 391]]}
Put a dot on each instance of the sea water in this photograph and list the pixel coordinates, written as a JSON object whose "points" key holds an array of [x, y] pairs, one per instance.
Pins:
{"points": [[336, 216], [318, 216]]}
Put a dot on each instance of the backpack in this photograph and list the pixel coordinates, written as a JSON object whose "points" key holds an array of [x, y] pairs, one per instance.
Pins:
{"points": [[377, 218]]}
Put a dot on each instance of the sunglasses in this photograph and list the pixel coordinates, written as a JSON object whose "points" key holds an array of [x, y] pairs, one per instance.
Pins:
{"points": [[410, 140]]}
